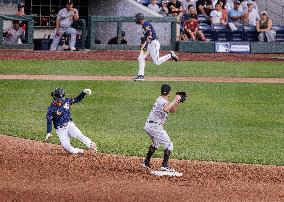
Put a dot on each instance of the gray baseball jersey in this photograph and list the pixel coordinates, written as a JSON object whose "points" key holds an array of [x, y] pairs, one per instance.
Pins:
{"points": [[14, 35], [157, 113], [154, 125], [65, 17]]}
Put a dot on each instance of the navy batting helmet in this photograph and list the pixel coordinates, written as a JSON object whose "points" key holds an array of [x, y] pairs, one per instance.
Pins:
{"points": [[165, 89], [138, 18], [58, 93]]}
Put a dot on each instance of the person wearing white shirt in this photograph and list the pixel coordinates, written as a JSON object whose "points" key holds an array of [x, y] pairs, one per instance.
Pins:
{"points": [[154, 6], [251, 15], [216, 15], [244, 5]]}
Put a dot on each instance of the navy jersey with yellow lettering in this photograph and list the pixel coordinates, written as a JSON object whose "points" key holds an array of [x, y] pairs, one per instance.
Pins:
{"points": [[149, 31], [60, 114]]}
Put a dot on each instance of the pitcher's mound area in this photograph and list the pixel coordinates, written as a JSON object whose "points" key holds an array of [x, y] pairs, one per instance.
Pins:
{"points": [[37, 171]]}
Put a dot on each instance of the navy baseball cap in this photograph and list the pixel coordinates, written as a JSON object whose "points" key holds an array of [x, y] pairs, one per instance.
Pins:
{"points": [[165, 89]]}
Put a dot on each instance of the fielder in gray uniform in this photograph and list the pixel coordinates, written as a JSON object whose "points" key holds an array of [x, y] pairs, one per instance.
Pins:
{"points": [[64, 20], [154, 127], [14, 34]]}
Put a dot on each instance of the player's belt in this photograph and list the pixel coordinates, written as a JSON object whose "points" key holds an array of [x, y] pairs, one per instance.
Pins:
{"points": [[63, 125], [155, 122]]}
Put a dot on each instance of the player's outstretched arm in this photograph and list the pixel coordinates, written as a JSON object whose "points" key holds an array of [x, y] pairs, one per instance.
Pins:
{"points": [[81, 96]]}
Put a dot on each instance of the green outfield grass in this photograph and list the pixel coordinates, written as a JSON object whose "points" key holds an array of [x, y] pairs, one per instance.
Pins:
{"points": [[194, 68], [228, 122]]}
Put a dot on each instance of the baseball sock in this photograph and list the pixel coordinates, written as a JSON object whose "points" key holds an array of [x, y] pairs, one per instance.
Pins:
{"points": [[167, 154], [150, 153]]}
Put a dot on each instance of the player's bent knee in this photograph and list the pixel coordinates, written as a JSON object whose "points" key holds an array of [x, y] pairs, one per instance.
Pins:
{"points": [[156, 62], [171, 146]]}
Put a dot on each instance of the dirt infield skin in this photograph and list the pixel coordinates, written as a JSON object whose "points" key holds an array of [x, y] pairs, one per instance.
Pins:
{"points": [[37, 171]]}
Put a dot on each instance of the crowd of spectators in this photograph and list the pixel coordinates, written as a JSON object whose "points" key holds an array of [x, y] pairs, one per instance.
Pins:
{"points": [[231, 14]]}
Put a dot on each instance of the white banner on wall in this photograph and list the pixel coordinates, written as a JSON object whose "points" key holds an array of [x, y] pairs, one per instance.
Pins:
{"points": [[232, 47]]}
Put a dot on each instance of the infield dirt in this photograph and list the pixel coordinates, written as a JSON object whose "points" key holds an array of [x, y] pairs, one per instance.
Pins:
{"points": [[37, 171]]}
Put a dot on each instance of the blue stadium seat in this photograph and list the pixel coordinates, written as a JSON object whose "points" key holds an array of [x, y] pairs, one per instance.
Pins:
{"points": [[207, 31], [237, 35], [250, 33], [279, 32], [203, 19], [221, 33]]}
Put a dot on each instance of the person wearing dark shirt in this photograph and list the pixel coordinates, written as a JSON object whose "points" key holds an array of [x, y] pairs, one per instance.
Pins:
{"points": [[174, 7], [204, 7], [115, 40]]}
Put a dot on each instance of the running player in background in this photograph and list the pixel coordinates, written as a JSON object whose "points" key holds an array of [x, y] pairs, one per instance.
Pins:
{"points": [[149, 45]]}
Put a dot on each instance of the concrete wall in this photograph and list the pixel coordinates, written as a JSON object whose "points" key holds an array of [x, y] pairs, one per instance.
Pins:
{"points": [[275, 9], [126, 8], [7, 9]]}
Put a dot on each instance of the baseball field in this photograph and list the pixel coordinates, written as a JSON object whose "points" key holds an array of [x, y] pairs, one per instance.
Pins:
{"points": [[228, 136]]}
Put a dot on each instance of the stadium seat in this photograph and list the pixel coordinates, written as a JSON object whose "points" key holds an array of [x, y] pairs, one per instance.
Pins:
{"points": [[207, 31], [203, 19], [237, 35], [221, 33], [250, 33], [279, 32]]}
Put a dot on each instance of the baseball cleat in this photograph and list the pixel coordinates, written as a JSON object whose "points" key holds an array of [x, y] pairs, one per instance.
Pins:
{"points": [[167, 168], [93, 148], [72, 48], [80, 151], [174, 56], [146, 165], [139, 78]]}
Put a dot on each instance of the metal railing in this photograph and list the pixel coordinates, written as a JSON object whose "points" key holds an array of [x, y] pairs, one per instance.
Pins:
{"points": [[28, 32], [119, 20]]}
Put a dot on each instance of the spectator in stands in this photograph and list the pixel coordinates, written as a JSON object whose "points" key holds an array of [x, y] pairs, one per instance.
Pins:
{"points": [[154, 6], [175, 8], [204, 7], [216, 15], [264, 28], [244, 5], [12, 35], [115, 41], [190, 10], [164, 8], [191, 29], [251, 16], [186, 3], [235, 16], [21, 10], [224, 18]]}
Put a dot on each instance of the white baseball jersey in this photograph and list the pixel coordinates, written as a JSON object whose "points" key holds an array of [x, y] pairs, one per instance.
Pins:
{"points": [[14, 35], [65, 17], [157, 113]]}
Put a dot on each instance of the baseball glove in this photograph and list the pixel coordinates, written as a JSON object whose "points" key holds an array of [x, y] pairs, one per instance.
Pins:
{"points": [[183, 96]]}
